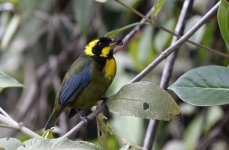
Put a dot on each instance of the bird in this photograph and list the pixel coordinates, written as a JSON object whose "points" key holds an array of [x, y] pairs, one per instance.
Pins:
{"points": [[87, 79]]}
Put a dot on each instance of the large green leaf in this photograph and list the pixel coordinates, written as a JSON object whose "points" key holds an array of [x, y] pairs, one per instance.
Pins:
{"points": [[9, 143], [204, 86], [57, 144], [145, 100], [7, 81], [223, 19]]}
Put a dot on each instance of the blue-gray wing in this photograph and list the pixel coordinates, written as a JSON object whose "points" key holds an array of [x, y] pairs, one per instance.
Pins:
{"points": [[72, 87]]}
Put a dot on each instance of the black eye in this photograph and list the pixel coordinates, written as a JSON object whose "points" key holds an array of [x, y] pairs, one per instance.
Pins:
{"points": [[99, 44]]}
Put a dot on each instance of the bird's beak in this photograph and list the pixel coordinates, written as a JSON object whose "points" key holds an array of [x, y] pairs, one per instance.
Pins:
{"points": [[116, 42]]}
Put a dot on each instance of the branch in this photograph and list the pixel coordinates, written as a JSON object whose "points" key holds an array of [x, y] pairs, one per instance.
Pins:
{"points": [[175, 34], [176, 45], [11, 123], [166, 75], [83, 122]]}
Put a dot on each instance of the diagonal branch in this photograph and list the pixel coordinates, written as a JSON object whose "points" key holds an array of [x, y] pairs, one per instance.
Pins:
{"points": [[176, 45], [155, 62]]}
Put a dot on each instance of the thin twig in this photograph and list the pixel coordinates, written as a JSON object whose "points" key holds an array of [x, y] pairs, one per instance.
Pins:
{"points": [[5, 113], [11, 123], [155, 23], [166, 75], [150, 134]]}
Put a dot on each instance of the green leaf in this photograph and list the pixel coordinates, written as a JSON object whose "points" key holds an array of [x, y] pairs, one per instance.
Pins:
{"points": [[7, 81], [223, 20], [60, 143], [158, 6], [204, 86], [83, 13], [9, 143], [145, 100], [116, 32]]}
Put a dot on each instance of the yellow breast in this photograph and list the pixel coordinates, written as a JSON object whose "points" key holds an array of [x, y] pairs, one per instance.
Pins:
{"points": [[110, 68]]}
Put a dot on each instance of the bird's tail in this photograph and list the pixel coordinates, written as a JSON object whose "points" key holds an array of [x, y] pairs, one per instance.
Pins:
{"points": [[52, 119]]}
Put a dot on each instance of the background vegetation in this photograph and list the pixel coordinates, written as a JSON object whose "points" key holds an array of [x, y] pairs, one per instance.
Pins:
{"points": [[40, 39]]}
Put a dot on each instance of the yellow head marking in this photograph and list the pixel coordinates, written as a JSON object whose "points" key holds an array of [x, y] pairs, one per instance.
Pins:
{"points": [[105, 52], [110, 69], [88, 48]]}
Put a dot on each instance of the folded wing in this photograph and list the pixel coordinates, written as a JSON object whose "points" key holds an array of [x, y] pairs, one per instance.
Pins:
{"points": [[74, 86]]}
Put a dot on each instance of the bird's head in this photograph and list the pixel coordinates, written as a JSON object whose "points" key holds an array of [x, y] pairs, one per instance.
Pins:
{"points": [[102, 47]]}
